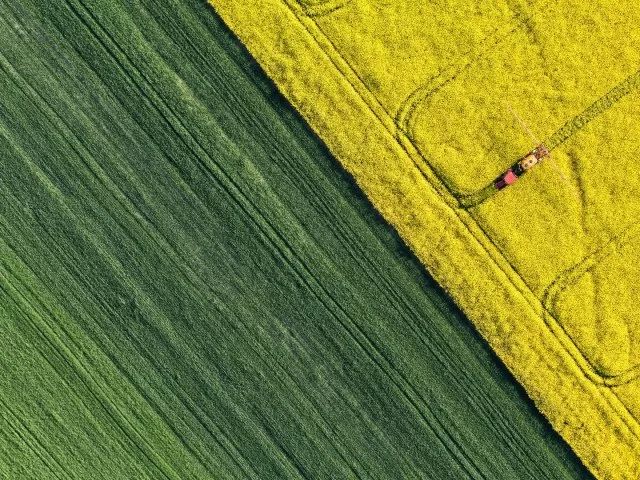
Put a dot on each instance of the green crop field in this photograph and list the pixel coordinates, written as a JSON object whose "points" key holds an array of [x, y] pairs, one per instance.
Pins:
{"points": [[191, 288]]}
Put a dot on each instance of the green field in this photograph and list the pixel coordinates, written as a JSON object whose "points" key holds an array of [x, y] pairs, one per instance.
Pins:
{"points": [[191, 288]]}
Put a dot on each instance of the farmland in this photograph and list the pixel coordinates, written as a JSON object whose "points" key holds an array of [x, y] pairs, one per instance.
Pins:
{"points": [[192, 288]]}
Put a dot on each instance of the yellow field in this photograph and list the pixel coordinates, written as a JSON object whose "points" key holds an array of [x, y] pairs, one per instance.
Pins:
{"points": [[426, 105]]}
